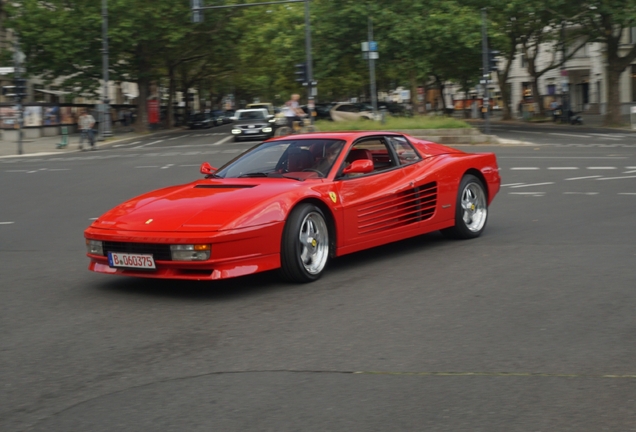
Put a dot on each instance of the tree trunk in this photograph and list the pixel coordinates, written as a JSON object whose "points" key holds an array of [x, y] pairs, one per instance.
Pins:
{"points": [[141, 124], [613, 114], [414, 100], [536, 97], [171, 91]]}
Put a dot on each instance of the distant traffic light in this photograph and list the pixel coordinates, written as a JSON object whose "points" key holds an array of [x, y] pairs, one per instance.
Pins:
{"points": [[301, 73], [197, 14], [492, 60], [20, 87]]}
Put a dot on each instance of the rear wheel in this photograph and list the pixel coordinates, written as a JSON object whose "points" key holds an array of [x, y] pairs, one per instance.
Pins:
{"points": [[282, 131], [305, 244], [471, 210]]}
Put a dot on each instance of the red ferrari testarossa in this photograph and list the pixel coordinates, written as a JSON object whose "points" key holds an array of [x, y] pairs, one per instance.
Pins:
{"points": [[292, 203]]}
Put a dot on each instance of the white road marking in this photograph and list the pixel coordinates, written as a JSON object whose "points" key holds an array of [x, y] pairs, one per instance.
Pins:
{"points": [[93, 218], [630, 168], [608, 135], [232, 151], [627, 193], [530, 132], [563, 168], [151, 143], [148, 166], [584, 178], [60, 169], [537, 194], [511, 184], [524, 168], [6, 223], [170, 139], [532, 185], [616, 178], [580, 193], [122, 145], [16, 171], [601, 168], [629, 172], [570, 135], [224, 140], [167, 166]]}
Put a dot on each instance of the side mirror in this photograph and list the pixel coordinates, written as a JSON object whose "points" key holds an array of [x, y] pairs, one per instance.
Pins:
{"points": [[207, 169], [360, 166]]}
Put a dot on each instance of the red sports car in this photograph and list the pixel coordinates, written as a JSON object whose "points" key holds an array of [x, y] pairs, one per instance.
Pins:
{"points": [[294, 202]]}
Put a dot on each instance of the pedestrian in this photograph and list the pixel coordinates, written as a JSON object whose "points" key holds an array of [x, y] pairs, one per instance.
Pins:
{"points": [[85, 123], [293, 112]]}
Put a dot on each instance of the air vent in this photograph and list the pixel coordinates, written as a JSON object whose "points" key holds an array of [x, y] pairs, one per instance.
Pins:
{"points": [[405, 208], [206, 186]]}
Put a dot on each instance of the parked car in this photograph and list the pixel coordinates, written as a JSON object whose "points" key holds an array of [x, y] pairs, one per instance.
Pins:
{"points": [[350, 112], [294, 203], [321, 110], [222, 117], [251, 124], [200, 121]]}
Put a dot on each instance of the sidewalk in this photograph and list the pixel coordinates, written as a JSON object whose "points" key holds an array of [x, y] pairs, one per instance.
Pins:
{"points": [[589, 121], [48, 145]]}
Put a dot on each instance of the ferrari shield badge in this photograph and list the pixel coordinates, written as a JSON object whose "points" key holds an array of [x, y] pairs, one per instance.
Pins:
{"points": [[333, 197]]}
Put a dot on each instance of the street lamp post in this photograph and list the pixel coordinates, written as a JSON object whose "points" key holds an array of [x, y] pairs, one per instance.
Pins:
{"points": [[565, 82], [104, 123]]}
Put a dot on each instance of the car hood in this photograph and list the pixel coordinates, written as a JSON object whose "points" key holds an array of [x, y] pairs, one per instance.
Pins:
{"points": [[205, 205]]}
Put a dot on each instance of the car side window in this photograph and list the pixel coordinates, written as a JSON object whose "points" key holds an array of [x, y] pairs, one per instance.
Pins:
{"points": [[404, 150], [374, 149]]}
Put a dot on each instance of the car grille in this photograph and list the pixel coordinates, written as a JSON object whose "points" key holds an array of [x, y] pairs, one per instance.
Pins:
{"points": [[159, 252], [252, 126]]}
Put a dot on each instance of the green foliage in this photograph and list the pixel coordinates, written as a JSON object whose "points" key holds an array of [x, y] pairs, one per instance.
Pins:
{"points": [[394, 123]]}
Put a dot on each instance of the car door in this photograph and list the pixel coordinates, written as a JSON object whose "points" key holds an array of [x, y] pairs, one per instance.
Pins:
{"points": [[369, 201]]}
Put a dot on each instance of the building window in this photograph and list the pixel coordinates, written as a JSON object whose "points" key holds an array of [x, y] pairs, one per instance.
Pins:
{"points": [[551, 89], [523, 60]]}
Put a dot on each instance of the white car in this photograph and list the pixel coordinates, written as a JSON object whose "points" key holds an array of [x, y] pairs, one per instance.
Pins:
{"points": [[349, 112]]}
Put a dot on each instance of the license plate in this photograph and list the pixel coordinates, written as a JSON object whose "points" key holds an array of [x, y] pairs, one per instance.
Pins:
{"points": [[251, 131], [139, 261]]}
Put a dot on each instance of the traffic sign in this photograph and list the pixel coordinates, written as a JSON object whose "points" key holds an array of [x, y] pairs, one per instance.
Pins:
{"points": [[6, 70]]}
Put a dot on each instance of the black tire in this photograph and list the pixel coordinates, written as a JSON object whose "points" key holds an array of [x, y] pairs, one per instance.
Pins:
{"points": [[305, 244], [471, 210]]}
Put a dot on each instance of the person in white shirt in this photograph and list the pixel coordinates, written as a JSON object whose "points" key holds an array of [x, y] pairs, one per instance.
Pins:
{"points": [[85, 123], [293, 112]]}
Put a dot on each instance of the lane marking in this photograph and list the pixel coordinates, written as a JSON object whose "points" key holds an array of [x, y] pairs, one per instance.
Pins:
{"points": [[532, 185], [627, 193], [151, 143], [563, 168], [128, 144], [616, 178], [170, 139], [583, 178], [498, 374], [524, 168], [608, 135], [580, 193], [148, 166], [630, 172], [6, 223], [527, 193], [511, 184], [59, 169], [570, 135], [93, 218], [224, 140], [167, 166], [601, 168]]}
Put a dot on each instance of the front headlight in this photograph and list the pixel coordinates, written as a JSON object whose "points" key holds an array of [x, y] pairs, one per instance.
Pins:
{"points": [[196, 252], [236, 131], [267, 129], [94, 247]]}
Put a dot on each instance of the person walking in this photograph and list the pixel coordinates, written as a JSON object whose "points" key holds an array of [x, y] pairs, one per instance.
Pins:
{"points": [[85, 123]]}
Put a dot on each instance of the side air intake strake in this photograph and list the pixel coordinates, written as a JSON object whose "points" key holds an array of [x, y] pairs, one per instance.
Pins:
{"points": [[407, 207]]}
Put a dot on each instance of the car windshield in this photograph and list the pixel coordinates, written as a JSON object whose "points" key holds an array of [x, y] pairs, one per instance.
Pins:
{"points": [[251, 115], [307, 158], [197, 117]]}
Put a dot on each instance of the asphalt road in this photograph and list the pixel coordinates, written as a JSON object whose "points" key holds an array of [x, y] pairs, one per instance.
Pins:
{"points": [[528, 328]]}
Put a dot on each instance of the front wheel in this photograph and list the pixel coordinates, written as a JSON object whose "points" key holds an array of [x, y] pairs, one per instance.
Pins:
{"points": [[305, 244], [471, 210], [282, 131]]}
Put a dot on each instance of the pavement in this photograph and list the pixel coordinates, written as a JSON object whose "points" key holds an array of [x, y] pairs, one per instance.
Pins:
{"points": [[48, 145]]}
